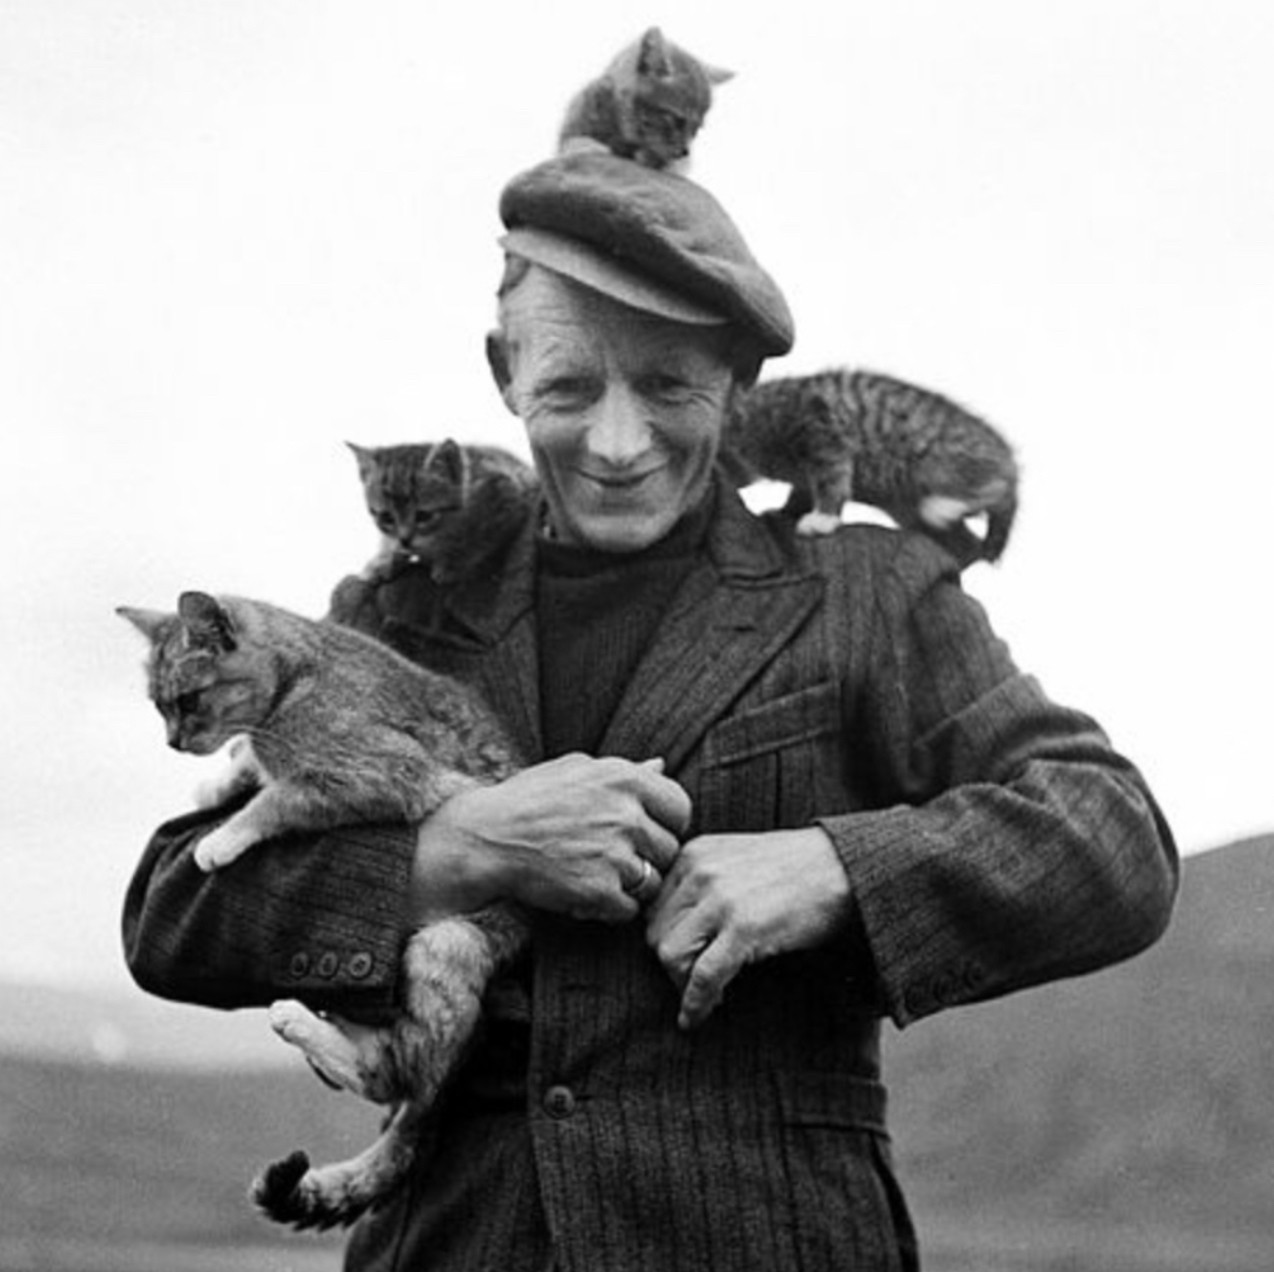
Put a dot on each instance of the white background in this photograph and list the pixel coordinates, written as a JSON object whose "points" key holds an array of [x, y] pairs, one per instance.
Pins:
{"points": [[235, 233]]}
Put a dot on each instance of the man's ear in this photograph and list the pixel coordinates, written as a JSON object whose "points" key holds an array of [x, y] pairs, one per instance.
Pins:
{"points": [[501, 370]]}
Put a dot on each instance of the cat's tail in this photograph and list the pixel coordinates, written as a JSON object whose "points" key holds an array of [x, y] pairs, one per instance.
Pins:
{"points": [[292, 1191], [944, 519], [999, 525]]}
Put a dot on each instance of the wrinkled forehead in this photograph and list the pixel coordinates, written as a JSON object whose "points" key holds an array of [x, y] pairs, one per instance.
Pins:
{"points": [[550, 321], [608, 276]]}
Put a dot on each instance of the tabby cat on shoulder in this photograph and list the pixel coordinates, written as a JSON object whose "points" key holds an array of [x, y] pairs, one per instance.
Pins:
{"points": [[839, 435], [832, 436], [329, 728], [647, 105], [452, 508]]}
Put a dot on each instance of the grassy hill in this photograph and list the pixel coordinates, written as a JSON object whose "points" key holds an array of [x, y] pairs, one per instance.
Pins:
{"points": [[109, 1169], [1119, 1123], [1123, 1120]]}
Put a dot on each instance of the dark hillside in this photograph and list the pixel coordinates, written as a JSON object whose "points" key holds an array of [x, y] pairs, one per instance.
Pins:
{"points": [[1130, 1112], [109, 1167]]}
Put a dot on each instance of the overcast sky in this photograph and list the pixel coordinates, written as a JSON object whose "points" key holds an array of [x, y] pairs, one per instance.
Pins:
{"points": [[235, 233]]}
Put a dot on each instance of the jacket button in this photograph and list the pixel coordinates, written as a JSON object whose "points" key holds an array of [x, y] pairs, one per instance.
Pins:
{"points": [[327, 965], [916, 1001], [559, 1102], [360, 965], [300, 964]]}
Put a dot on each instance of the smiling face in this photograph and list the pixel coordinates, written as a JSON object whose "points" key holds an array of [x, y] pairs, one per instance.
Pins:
{"points": [[623, 410]]}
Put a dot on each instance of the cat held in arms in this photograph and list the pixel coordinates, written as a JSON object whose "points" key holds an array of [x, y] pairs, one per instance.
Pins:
{"points": [[329, 727]]}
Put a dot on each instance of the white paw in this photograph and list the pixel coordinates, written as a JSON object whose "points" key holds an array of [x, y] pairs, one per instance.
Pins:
{"points": [[944, 511], [582, 145], [815, 523], [219, 848], [291, 1020], [324, 1044]]}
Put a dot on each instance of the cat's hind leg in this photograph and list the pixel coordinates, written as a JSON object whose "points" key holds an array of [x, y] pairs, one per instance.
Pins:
{"points": [[447, 966], [343, 1053]]}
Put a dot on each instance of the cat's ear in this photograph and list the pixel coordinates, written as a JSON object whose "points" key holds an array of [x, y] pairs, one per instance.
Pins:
{"points": [[653, 57], [716, 74], [362, 454], [207, 622], [448, 457], [151, 623], [501, 367]]}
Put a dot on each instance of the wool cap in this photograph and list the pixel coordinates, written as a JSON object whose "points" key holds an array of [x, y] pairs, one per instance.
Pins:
{"points": [[646, 237]]}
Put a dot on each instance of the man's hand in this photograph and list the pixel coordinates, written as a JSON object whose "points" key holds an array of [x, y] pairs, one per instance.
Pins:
{"points": [[569, 835], [730, 900]]}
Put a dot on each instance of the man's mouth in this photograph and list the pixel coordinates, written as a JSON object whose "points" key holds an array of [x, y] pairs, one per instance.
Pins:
{"points": [[621, 481]]}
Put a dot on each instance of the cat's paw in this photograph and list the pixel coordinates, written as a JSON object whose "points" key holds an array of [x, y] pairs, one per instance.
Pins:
{"points": [[582, 145], [818, 523], [334, 1056], [219, 848]]}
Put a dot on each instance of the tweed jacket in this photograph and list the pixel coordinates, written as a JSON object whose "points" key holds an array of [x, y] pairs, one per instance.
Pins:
{"points": [[992, 839]]}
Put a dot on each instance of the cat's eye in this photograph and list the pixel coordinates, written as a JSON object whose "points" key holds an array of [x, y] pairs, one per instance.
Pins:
{"points": [[188, 703]]}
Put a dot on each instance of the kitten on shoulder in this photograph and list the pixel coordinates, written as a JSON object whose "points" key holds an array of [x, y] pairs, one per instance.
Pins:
{"points": [[839, 435], [450, 507]]}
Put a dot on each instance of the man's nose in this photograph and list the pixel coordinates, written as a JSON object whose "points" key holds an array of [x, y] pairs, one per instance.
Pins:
{"points": [[621, 432]]}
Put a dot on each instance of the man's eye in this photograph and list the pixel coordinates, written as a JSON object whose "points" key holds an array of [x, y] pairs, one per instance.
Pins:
{"points": [[566, 393], [568, 386], [666, 386]]}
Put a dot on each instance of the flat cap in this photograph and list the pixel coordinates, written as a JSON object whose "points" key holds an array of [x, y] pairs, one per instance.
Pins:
{"points": [[654, 224]]}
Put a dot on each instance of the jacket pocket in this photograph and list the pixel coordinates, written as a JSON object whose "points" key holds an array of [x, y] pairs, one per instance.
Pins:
{"points": [[839, 1163], [773, 765]]}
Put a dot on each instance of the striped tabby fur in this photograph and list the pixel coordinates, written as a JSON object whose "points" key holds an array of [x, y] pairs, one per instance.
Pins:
{"points": [[647, 105], [838, 435], [330, 728]]}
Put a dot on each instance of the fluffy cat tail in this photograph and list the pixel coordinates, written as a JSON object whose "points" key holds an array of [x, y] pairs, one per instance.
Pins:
{"points": [[999, 525], [292, 1191], [943, 519]]}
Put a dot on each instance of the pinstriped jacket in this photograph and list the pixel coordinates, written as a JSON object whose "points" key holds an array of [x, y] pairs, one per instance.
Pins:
{"points": [[992, 838]]}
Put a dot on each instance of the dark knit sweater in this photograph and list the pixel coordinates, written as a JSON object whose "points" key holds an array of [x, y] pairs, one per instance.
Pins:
{"points": [[596, 612]]}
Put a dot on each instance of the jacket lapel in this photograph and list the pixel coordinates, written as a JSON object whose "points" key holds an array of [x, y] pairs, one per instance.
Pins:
{"points": [[729, 619]]}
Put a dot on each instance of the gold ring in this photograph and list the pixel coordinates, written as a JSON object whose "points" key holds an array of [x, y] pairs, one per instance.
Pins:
{"points": [[647, 874]]}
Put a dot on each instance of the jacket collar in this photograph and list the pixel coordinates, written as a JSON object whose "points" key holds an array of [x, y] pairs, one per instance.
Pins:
{"points": [[730, 616]]}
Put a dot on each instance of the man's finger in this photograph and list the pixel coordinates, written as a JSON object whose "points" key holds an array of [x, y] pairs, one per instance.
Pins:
{"points": [[665, 800], [714, 969], [661, 848]]}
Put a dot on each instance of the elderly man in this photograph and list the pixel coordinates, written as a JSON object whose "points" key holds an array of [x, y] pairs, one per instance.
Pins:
{"points": [[777, 790]]}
